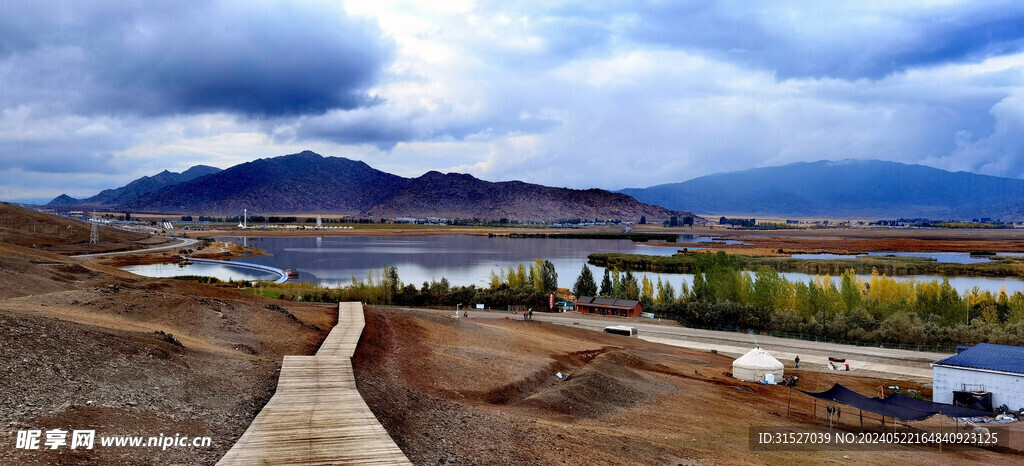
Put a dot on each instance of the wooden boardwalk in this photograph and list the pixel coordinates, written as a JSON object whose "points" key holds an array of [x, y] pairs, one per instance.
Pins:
{"points": [[317, 416]]}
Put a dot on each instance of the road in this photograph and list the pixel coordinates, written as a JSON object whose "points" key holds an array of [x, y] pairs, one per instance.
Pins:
{"points": [[183, 243], [865, 361]]}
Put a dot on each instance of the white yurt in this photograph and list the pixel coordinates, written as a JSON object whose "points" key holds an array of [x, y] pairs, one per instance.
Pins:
{"points": [[754, 365]]}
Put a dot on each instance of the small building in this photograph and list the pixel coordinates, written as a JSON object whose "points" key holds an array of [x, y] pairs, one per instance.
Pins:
{"points": [[758, 366], [986, 367], [563, 304], [609, 306]]}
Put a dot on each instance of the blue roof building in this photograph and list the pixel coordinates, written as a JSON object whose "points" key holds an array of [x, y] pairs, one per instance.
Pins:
{"points": [[989, 357], [986, 367]]}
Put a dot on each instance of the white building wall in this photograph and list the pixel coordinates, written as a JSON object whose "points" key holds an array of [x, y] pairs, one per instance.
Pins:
{"points": [[1006, 389]]}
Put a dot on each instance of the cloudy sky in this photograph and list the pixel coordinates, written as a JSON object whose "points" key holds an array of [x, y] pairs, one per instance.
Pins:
{"points": [[609, 94]]}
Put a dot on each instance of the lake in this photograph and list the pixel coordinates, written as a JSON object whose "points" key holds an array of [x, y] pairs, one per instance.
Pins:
{"points": [[463, 259]]}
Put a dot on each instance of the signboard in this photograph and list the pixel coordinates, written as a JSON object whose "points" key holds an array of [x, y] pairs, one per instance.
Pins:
{"points": [[649, 315]]}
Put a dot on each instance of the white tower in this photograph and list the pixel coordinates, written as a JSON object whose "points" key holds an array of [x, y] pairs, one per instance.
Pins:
{"points": [[319, 222], [245, 218]]}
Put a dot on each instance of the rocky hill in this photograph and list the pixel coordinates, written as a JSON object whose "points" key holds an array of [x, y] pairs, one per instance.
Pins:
{"points": [[308, 182], [135, 189], [459, 195], [303, 182]]}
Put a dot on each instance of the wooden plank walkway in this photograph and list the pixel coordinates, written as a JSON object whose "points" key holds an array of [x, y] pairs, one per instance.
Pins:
{"points": [[317, 416]]}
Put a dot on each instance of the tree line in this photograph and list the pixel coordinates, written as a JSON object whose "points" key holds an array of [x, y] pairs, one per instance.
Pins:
{"points": [[519, 285], [877, 310]]}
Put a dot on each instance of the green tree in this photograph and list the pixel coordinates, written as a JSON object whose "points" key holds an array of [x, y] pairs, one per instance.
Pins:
{"points": [[550, 277], [850, 290], [769, 288], [630, 287], [607, 289], [585, 284], [701, 292], [390, 283]]}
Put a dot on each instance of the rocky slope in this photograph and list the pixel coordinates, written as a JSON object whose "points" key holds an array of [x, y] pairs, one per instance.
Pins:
{"points": [[310, 183]]}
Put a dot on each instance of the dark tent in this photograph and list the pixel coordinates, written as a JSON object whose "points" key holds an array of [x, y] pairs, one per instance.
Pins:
{"points": [[897, 406], [940, 408]]}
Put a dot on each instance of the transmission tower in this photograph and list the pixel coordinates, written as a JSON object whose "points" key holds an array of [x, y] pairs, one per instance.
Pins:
{"points": [[94, 234]]}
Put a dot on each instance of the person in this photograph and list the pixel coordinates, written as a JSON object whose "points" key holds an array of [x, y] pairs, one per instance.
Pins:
{"points": [[797, 362], [531, 313]]}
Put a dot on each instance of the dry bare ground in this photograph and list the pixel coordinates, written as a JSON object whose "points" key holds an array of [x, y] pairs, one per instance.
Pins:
{"points": [[471, 391], [45, 232], [85, 346]]}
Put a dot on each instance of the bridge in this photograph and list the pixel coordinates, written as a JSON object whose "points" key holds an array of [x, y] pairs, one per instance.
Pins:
{"points": [[317, 416]]}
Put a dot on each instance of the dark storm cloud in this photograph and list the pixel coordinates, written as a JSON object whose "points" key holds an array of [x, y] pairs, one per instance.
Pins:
{"points": [[163, 57], [386, 131], [56, 157], [846, 40]]}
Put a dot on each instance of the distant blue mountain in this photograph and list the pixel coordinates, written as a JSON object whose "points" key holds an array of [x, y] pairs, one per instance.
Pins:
{"points": [[135, 189], [844, 189]]}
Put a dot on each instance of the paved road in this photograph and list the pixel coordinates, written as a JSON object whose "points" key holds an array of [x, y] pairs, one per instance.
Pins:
{"points": [[866, 361], [181, 243]]}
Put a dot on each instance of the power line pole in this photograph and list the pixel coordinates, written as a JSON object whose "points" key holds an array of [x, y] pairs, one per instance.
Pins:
{"points": [[94, 235]]}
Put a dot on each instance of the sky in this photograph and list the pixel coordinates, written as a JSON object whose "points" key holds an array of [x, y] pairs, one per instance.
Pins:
{"points": [[608, 94]]}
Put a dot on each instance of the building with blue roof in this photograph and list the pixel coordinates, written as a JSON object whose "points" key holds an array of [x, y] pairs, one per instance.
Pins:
{"points": [[986, 367]]}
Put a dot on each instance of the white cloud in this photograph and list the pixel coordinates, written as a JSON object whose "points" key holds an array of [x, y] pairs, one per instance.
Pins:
{"points": [[579, 95]]}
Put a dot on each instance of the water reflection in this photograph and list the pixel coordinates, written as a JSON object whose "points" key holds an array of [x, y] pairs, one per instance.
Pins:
{"points": [[463, 259], [466, 260]]}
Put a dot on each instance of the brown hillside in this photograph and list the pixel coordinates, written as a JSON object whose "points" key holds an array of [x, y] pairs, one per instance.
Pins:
{"points": [[484, 391], [457, 195], [37, 230], [87, 347]]}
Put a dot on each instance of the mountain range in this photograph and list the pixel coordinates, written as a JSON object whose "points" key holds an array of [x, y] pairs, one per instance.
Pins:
{"points": [[310, 183], [845, 189], [135, 189]]}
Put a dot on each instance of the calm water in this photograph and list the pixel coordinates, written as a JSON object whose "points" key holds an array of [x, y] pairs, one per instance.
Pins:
{"points": [[463, 260]]}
